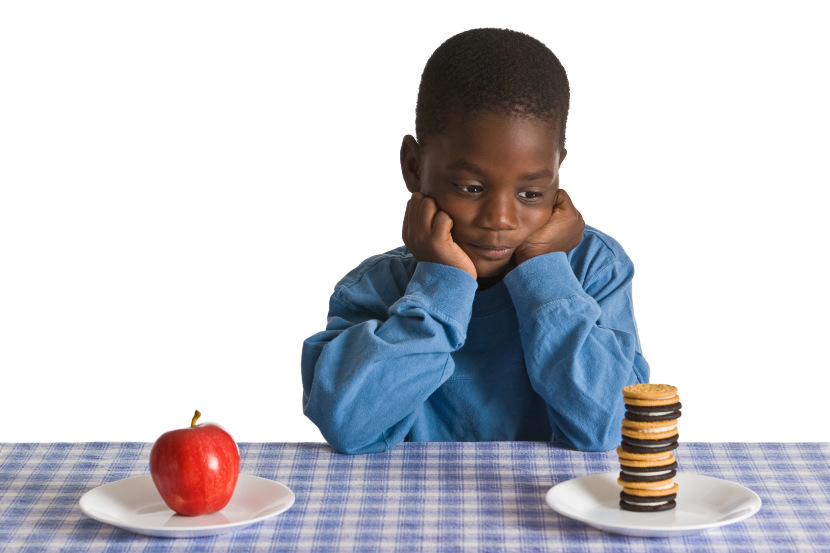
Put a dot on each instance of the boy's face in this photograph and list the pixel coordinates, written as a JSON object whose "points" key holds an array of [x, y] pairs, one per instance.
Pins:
{"points": [[495, 175]]}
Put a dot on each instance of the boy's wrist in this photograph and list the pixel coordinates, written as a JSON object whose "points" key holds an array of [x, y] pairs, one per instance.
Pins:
{"points": [[552, 270], [448, 289], [526, 254]]}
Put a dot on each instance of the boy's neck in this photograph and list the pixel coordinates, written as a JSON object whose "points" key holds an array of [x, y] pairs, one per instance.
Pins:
{"points": [[488, 282]]}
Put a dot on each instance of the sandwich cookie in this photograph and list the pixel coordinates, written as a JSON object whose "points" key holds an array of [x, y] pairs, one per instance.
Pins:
{"points": [[649, 391], [648, 471], [642, 413], [634, 445], [650, 456], [649, 431], [645, 504], [648, 496]]}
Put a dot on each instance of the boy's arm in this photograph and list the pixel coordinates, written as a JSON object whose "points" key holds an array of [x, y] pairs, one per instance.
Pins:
{"points": [[581, 345], [367, 374], [579, 338]]}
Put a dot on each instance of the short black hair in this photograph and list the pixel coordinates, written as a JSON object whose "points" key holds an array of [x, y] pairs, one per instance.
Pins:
{"points": [[492, 70]]}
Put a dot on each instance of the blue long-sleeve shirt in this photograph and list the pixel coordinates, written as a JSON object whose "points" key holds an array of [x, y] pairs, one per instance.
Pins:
{"points": [[414, 351]]}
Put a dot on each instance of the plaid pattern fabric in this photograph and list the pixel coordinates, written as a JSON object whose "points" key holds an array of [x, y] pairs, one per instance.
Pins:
{"points": [[417, 497]]}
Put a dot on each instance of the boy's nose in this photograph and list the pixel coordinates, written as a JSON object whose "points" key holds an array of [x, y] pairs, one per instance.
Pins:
{"points": [[498, 212]]}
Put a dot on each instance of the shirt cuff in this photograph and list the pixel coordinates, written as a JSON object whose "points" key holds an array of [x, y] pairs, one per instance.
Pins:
{"points": [[449, 290], [542, 279]]}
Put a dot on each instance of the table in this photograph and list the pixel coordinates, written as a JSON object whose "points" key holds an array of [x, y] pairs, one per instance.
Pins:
{"points": [[417, 497]]}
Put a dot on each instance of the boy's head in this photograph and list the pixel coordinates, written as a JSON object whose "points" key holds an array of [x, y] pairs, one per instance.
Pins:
{"points": [[490, 124], [492, 70]]}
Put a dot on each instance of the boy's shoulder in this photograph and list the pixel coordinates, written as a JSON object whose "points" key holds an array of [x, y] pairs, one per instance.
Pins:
{"points": [[596, 242], [384, 276], [398, 257], [597, 253]]}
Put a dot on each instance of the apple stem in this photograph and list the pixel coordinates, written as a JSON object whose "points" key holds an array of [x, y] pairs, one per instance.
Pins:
{"points": [[195, 418]]}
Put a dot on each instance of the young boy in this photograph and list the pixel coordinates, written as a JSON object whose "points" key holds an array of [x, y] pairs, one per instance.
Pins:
{"points": [[504, 317]]}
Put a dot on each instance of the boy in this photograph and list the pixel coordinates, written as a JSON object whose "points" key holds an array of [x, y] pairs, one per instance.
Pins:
{"points": [[504, 317]]}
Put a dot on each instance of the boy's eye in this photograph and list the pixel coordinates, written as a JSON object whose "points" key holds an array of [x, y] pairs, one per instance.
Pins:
{"points": [[469, 188], [528, 195]]}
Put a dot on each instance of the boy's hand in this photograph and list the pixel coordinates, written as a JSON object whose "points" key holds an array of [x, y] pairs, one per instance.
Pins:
{"points": [[426, 233], [562, 232]]}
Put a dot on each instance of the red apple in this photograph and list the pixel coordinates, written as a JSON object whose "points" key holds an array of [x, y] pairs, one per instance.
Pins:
{"points": [[195, 469]]}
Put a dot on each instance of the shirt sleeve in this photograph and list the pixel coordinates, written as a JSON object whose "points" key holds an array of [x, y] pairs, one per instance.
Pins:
{"points": [[581, 345], [367, 374]]}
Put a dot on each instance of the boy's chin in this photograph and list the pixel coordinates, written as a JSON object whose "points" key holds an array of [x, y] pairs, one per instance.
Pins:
{"points": [[494, 270]]}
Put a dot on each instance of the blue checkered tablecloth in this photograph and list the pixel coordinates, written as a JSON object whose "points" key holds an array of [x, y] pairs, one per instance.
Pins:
{"points": [[417, 497]]}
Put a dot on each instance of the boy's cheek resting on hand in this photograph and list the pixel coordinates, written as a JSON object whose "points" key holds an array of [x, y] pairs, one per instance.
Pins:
{"points": [[562, 232], [427, 233]]}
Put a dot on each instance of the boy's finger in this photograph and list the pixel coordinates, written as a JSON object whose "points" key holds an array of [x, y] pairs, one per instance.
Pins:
{"points": [[413, 220], [407, 223], [562, 198], [426, 213], [441, 225]]}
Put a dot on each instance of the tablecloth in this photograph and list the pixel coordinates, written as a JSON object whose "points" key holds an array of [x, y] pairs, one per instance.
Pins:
{"points": [[417, 497]]}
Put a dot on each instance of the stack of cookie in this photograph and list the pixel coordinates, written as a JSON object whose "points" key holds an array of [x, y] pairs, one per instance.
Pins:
{"points": [[649, 434]]}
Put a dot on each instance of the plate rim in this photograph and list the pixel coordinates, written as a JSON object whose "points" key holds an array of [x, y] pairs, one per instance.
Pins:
{"points": [[181, 531], [658, 530]]}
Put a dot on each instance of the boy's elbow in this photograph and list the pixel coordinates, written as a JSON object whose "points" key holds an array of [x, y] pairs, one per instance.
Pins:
{"points": [[338, 442], [343, 438], [603, 444], [590, 443], [601, 437], [352, 447]]}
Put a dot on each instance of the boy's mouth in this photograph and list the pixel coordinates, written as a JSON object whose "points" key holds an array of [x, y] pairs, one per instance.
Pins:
{"points": [[493, 252]]}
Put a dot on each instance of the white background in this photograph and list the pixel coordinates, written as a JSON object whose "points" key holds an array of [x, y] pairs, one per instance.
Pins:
{"points": [[183, 183]]}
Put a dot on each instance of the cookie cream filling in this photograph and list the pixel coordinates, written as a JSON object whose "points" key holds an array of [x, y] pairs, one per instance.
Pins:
{"points": [[646, 473], [652, 414], [656, 430], [636, 486], [656, 503], [659, 456], [663, 487]]}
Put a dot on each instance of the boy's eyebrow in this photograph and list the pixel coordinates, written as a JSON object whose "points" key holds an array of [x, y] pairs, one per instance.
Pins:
{"points": [[464, 165]]}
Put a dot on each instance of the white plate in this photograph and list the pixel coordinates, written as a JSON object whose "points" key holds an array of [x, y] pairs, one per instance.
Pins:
{"points": [[134, 504], [703, 502]]}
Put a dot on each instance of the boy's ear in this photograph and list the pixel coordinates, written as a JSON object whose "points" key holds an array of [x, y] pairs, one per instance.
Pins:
{"points": [[411, 163], [562, 155]]}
